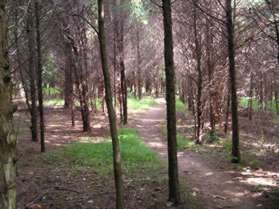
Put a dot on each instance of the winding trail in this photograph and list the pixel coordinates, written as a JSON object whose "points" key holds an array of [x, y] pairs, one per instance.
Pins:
{"points": [[218, 189]]}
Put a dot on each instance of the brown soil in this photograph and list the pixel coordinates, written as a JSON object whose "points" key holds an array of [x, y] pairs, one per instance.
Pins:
{"points": [[214, 183], [44, 184]]}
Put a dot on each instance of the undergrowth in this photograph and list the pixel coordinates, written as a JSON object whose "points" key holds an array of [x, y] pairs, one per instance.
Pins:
{"points": [[180, 106], [140, 104], [182, 141], [136, 155]]}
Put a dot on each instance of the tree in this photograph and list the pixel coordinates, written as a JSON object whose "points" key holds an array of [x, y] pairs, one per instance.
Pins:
{"points": [[39, 77], [232, 76], [119, 38], [32, 72], [7, 134], [111, 112], [174, 195], [198, 56]]}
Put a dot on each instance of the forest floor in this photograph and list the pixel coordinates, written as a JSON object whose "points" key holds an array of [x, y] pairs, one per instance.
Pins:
{"points": [[208, 180], [207, 170]]}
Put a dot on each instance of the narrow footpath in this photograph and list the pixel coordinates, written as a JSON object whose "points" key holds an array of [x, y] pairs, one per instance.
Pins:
{"points": [[218, 189]]}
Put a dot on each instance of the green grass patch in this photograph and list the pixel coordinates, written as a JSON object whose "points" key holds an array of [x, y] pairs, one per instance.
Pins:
{"points": [[51, 91], [60, 102], [227, 147], [135, 154], [54, 102], [97, 103], [182, 141], [275, 193], [180, 106], [211, 138], [140, 104], [256, 105]]}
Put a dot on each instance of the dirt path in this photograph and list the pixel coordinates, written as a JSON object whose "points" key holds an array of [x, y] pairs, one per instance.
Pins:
{"points": [[216, 188]]}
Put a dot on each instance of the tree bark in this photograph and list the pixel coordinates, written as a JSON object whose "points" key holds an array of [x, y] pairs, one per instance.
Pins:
{"points": [[111, 112], [250, 107], [39, 77], [19, 57], [32, 72], [139, 79], [198, 52], [7, 134], [120, 65], [174, 194], [228, 104], [232, 76], [210, 70], [68, 76]]}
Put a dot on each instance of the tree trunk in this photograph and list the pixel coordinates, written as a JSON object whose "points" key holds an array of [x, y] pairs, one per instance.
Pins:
{"points": [[228, 104], [250, 110], [210, 69], [139, 79], [68, 83], [275, 24], [32, 73], [174, 194], [276, 97], [232, 76], [124, 93], [119, 36], [7, 135], [123, 80], [39, 77], [19, 58], [111, 112], [198, 52], [82, 91], [190, 98]]}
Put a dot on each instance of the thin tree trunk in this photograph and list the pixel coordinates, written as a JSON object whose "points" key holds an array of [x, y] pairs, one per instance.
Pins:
{"points": [[68, 83], [276, 97], [19, 57], [82, 93], [124, 93], [32, 73], [232, 75], [198, 52], [111, 112], [272, 9], [190, 99], [120, 38], [250, 111], [7, 135], [210, 68], [139, 79], [39, 77], [174, 194], [227, 113]]}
